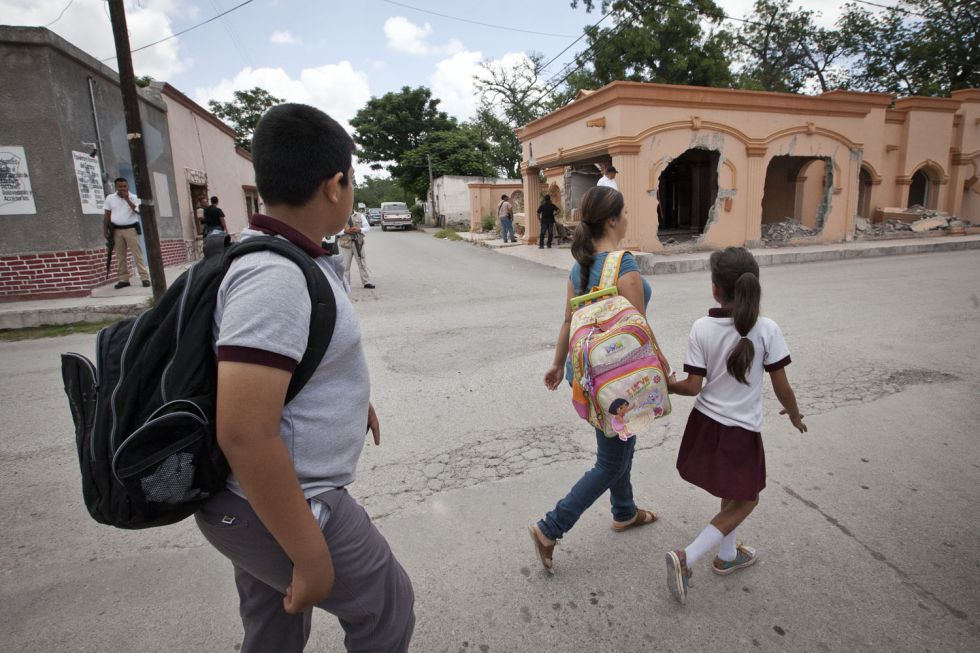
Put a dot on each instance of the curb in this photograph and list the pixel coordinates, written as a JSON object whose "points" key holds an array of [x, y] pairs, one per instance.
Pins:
{"points": [[656, 264], [70, 315]]}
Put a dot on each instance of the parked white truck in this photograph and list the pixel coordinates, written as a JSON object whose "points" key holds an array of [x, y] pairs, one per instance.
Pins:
{"points": [[395, 215]]}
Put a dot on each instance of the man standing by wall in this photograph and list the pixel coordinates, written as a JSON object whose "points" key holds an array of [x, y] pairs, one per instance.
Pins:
{"points": [[351, 241], [505, 212], [609, 178], [121, 224], [546, 213], [214, 218]]}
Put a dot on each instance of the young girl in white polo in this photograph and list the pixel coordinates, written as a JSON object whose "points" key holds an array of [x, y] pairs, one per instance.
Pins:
{"points": [[728, 354]]}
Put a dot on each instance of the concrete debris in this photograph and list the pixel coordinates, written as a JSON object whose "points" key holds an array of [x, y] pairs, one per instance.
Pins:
{"points": [[785, 231], [929, 224], [862, 225]]}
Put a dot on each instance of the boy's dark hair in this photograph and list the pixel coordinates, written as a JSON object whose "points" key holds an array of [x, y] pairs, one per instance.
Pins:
{"points": [[118, 179], [736, 274], [547, 198], [616, 405], [214, 199], [295, 148]]}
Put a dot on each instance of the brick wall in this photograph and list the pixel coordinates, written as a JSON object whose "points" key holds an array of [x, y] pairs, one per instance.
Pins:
{"points": [[73, 273]]}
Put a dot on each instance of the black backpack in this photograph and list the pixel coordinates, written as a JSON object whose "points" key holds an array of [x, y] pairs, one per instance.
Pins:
{"points": [[145, 412]]}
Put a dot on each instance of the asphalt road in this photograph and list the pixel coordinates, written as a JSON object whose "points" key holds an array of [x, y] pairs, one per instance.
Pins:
{"points": [[867, 530]]}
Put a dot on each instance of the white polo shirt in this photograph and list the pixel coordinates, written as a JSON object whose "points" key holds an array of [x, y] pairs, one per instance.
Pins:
{"points": [[120, 214], [606, 181], [722, 398]]}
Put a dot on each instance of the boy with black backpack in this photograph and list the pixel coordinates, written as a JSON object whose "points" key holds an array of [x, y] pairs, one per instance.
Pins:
{"points": [[298, 540]]}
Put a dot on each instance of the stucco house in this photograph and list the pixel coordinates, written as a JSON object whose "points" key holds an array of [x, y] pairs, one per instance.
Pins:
{"points": [[716, 164]]}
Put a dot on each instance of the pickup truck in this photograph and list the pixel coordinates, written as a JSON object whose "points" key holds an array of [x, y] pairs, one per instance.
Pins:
{"points": [[395, 215]]}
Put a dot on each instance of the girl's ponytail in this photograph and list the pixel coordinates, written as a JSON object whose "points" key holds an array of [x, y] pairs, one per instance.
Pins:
{"points": [[598, 205], [735, 272], [745, 312]]}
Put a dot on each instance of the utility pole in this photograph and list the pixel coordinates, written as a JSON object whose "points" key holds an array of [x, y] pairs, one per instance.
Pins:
{"points": [[432, 194], [137, 150]]}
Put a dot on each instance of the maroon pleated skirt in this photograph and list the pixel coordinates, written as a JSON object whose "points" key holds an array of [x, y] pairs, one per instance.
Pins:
{"points": [[727, 461]]}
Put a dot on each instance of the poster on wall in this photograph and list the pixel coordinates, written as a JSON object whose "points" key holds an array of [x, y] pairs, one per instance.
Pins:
{"points": [[16, 196], [89, 176], [161, 191]]}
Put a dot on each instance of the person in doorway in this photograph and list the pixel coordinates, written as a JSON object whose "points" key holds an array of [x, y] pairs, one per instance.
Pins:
{"points": [[294, 535], [121, 225], [609, 178], [602, 227], [351, 241], [505, 212], [214, 218], [546, 213], [721, 452]]}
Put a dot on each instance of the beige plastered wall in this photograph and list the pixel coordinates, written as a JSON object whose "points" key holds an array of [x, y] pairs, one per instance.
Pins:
{"points": [[643, 127], [484, 199], [199, 144]]}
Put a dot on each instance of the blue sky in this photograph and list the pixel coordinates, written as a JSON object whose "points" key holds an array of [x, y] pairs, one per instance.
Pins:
{"points": [[334, 55]]}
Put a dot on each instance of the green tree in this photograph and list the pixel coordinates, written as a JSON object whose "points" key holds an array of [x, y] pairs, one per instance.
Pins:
{"points": [[375, 190], [503, 150], [456, 151], [917, 47], [395, 123], [244, 111], [654, 41], [782, 49]]}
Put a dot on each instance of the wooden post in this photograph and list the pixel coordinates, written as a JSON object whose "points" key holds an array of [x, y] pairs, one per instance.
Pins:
{"points": [[137, 150]]}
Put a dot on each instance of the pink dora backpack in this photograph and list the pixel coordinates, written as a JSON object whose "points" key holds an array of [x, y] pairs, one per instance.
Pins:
{"points": [[617, 371]]}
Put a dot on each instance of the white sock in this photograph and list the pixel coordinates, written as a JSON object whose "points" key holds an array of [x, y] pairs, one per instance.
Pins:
{"points": [[728, 552], [707, 541]]}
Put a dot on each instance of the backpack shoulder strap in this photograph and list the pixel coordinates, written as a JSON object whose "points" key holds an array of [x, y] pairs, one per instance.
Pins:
{"points": [[323, 316], [610, 269]]}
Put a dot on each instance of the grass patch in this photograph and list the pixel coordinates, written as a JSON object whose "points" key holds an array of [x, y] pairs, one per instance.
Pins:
{"points": [[52, 331], [448, 234]]}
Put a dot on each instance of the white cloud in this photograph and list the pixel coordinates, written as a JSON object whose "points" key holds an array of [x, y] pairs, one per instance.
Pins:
{"points": [[284, 37], [337, 89], [86, 25], [405, 36]]}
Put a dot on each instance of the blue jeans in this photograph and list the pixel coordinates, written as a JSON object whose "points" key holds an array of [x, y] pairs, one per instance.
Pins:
{"points": [[507, 224], [614, 460]]}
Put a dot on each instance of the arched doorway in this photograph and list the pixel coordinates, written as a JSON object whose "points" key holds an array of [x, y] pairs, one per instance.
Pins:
{"points": [[797, 189], [922, 190], [864, 193], [686, 193]]}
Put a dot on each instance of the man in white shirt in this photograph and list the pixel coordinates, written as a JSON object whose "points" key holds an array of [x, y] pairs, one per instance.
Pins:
{"points": [[121, 224], [351, 241], [609, 178]]}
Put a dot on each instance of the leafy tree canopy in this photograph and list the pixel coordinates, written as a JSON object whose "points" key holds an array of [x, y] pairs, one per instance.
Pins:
{"points": [[395, 123], [456, 151], [375, 190], [244, 111]]}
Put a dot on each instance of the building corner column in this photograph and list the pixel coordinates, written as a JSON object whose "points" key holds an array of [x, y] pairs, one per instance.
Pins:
{"points": [[532, 192], [755, 184], [640, 230]]}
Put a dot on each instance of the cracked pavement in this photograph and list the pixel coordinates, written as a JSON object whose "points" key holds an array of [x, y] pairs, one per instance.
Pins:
{"points": [[867, 533]]}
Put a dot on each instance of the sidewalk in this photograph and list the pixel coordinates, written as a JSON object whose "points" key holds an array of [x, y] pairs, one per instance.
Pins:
{"points": [[105, 303], [561, 257]]}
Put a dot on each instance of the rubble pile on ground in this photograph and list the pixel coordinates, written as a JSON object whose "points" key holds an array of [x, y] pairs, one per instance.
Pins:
{"points": [[929, 221], [785, 231], [864, 227]]}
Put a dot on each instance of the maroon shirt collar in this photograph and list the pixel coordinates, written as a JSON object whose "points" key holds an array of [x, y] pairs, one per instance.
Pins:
{"points": [[271, 226], [719, 312]]}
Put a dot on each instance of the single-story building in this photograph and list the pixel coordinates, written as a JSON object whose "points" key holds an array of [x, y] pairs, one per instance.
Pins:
{"points": [[716, 164], [62, 142]]}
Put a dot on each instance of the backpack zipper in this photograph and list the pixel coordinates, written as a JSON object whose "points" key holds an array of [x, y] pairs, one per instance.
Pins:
{"points": [[122, 376], [180, 324]]}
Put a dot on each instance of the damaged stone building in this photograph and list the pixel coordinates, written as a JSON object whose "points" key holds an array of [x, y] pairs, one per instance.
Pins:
{"points": [[710, 167]]}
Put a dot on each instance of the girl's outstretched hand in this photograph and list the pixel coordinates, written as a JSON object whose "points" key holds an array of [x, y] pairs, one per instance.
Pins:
{"points": [[554, 376], [796, 419]]}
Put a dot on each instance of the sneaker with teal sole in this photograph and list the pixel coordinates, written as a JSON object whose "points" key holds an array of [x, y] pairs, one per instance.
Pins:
{"points": [[745, 556]]}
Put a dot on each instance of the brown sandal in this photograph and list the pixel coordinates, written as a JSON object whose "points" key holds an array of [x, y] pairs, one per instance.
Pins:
{"points": [[641, 518], [545, 552]]}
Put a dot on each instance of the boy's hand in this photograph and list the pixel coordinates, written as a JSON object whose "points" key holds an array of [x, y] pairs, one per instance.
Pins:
{"points": [[374, 425], [312, 583], [554, 376], [796, 419]]}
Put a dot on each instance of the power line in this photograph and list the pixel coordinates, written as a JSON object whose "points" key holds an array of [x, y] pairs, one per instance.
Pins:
{"points": [[476, 22], [185, 31], [585, 33], [900, 10], [232, 34], [61, 14]]}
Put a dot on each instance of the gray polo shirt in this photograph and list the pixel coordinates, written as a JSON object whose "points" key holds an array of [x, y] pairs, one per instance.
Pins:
{"points": [[263, 317]]}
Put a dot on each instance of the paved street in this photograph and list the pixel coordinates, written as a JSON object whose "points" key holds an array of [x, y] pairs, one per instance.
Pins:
{"points": [[867, 530]]}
